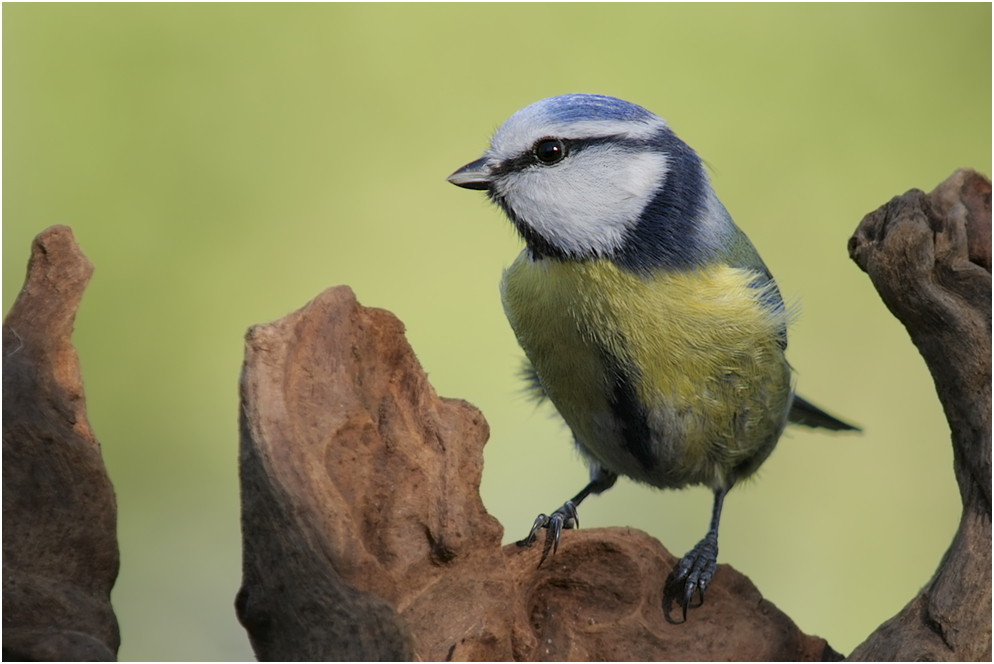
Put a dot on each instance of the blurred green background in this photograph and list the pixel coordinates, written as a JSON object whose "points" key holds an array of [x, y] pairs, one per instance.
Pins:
{"points": [[223, 164]]}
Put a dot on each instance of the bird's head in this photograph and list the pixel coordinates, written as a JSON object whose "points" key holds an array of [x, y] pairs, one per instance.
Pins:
{"points": [[588, 176]]}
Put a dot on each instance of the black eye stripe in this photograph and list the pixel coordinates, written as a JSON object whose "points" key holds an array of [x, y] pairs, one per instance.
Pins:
{"points": [[571, 146]]}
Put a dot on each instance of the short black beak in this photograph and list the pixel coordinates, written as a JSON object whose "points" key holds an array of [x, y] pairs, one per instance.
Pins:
{"points": [[474, 175]]}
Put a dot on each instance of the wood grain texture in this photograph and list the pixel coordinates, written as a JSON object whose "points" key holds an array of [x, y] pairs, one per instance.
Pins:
{"points": [[60, 554], [928, 256]]}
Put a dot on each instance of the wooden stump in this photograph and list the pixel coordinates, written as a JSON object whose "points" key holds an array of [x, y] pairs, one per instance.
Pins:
{"points": [[60, 555], [929, 257]]}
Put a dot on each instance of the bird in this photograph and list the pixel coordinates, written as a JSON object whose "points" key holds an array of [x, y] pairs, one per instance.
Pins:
{"points": [[646, 315]]}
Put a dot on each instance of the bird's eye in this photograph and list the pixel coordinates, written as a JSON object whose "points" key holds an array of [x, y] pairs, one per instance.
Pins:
{"points": [[549, 150]]}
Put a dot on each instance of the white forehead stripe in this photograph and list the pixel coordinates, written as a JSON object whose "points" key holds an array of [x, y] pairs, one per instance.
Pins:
{"points": [[519, 133]]}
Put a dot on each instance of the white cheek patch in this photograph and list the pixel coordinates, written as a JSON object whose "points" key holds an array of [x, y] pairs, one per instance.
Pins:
{"points": [[589, 201]]}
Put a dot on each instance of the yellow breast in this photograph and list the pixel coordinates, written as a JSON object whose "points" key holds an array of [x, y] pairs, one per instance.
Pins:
{"points": [[700, 347]]}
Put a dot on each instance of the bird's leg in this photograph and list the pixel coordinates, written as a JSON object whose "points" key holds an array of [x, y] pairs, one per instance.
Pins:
{"points": [[694, 571], [566, 517]]}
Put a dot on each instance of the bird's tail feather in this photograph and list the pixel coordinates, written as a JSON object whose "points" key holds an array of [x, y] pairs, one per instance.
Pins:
{"points": [[804, 412]]}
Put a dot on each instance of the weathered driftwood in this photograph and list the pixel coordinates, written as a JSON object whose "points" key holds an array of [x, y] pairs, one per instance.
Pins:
{"points": [[60, 555], [365, 537], [929, 257]]}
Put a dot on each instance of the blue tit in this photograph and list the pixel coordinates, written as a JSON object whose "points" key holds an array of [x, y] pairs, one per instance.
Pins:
{"points": [[646, 315]]}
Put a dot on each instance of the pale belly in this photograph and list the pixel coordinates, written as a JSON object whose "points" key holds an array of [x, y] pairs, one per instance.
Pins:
{"points": [[675, 380]]}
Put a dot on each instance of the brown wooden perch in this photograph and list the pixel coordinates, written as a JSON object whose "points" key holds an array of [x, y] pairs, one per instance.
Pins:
{"points": [[364, 534]]}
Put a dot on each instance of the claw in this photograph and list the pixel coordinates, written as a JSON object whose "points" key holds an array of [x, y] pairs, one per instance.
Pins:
{"points": [[541, 521], [691, 577], [551, 538], [563, 518]]}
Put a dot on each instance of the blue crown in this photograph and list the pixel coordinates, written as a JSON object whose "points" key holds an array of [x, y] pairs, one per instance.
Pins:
{"points": [[578, 107]]}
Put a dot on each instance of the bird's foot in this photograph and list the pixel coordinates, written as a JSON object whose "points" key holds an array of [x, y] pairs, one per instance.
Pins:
{"points": [[690, 578], [564, 517]]}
